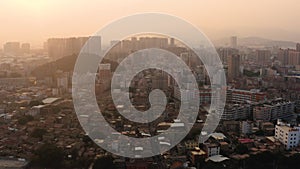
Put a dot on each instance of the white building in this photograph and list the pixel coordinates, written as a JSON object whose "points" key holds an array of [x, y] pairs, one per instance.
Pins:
{"points": [[212, 149], [184, 95], [287, 135], [35, 110]]}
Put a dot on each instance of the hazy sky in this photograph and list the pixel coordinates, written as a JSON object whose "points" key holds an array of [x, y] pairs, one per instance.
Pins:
{"points": [[36, 20]]}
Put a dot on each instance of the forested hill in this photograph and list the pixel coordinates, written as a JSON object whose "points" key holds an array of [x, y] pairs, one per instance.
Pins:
{"points": [[65, 64]]}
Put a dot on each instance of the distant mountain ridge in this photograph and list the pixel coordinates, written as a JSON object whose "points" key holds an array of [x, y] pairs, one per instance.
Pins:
{"points": [[258, 42]]}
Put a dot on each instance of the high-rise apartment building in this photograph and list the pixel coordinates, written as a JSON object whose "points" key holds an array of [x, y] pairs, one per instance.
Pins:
{"points": [[294, 57], [12, 48], [172, 42], [25, 48], [224, 53], [233, 42], [298, 47], [263, 56], [144, 42], [290, 56], [61, 47], [233, 67]]}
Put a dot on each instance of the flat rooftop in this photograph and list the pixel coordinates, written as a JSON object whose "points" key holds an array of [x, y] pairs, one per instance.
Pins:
{"points": [[50, 100], [12, 163]]}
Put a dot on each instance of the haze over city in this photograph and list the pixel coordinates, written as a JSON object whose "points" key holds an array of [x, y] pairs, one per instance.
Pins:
{"points": [[35, 21], [133, 84]]}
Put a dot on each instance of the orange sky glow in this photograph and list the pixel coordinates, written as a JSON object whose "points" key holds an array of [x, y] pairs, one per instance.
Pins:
{"points": [[36, 20]]}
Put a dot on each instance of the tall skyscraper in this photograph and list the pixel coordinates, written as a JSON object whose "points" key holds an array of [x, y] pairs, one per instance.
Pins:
{"points": [[225, 52], [263, 56], [94, 45], [294, 58], [233, 67], [233, 41], [290, 56], [172, 42], [56, 48], [283, 55], [12, 48], [25, 48], [298, 47]]}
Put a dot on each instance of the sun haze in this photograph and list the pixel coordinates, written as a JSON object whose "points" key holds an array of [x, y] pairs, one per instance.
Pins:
{"points": [[34, 21]]}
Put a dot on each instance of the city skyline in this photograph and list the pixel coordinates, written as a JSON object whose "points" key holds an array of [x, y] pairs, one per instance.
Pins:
{"points": [[155, 84], [36, 21]]}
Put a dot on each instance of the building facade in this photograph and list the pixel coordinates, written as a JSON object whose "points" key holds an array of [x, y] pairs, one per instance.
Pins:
{"points": [[236, 112], [242, 96], [273, 110], [287, 135], [233, 67]]}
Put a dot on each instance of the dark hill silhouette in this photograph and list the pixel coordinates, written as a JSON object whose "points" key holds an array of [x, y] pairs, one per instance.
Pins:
{"points": [[65, 64]]}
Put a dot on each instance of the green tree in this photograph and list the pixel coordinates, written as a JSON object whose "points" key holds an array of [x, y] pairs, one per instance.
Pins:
{"points": [[104, 162], [38, 133], [56, 109], [262, 160], [35, 103], [241, 149], [25, 119], [298, 119], [260, 133], [48, 155]]}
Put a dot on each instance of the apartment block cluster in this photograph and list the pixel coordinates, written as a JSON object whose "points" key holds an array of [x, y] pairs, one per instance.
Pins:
{"points": [[137, 43], [61, 47], [16, 48], [253, 104], [248, 104], [290, 56]]}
